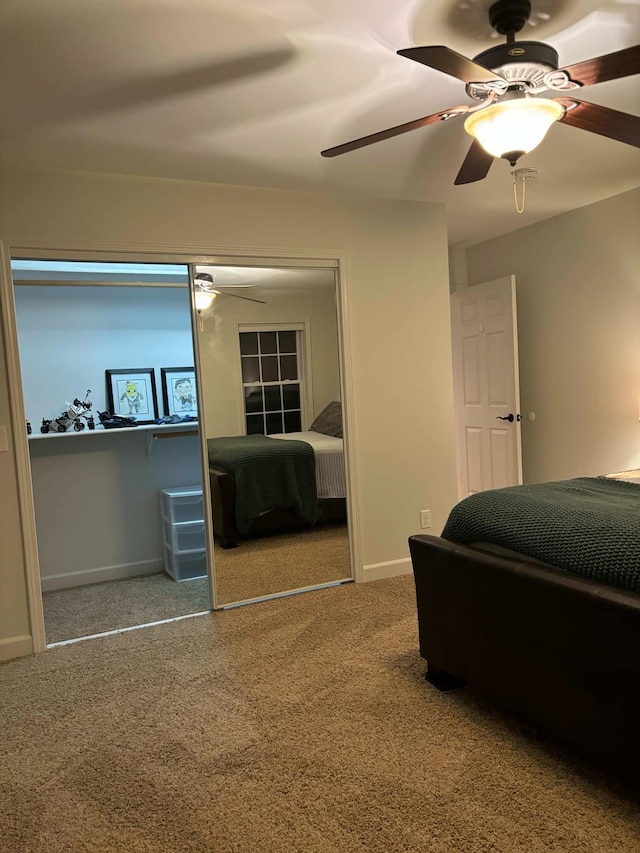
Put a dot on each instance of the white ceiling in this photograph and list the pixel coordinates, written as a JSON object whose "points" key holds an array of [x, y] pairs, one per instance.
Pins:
{"points": [[249, 91]]}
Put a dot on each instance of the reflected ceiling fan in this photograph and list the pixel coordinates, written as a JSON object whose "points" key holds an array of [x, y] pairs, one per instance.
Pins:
{"points": [[511, 119], [206, 289]]}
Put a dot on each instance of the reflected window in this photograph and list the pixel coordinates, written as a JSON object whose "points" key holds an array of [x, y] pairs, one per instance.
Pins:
{"points": [[272, 380]]}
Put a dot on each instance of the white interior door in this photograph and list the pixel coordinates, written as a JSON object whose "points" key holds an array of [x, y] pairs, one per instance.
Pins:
{"points": [[486, 389]]}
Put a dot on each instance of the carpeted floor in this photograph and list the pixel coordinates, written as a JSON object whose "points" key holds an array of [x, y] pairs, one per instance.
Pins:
{"points": [[258, 567], [81, 611], [279, 563], [300, 724]]}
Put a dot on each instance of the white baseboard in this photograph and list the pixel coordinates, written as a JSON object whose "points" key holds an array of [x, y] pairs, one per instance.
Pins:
{"points": [[16, 647], [103, 573], [391, 569]]}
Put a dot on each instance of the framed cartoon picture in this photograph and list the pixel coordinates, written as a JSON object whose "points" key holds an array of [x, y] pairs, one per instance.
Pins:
{"points": [[179, 395], [132, 392]]}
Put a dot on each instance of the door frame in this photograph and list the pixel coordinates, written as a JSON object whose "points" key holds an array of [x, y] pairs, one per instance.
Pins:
{"points": [[169, 253]]}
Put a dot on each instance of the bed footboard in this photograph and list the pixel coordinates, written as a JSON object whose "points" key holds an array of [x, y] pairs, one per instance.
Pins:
{"points": [[561, 650], [223, 501]]}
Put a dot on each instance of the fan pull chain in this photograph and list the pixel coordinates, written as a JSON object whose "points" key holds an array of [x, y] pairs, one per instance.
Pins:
{"points": [[525, 173], [519, 209]]}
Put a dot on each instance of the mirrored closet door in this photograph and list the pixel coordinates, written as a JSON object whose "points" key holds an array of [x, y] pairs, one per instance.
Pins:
{"points": [[107, 364], [271, 391]]}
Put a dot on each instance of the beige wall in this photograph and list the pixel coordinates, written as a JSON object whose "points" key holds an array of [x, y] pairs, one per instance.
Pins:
{"points": [[398, 295], [220, 376], [578, 286]]}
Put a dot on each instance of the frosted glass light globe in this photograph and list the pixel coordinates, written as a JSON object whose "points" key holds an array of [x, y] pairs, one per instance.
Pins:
{"points": [[513, 127], [203, 299]]}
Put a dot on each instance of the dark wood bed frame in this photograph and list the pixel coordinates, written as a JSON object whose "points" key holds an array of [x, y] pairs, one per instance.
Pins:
{"points": [[559, 649], [223, 501]]}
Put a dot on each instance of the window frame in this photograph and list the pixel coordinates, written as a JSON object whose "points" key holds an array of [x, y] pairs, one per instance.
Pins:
{"points": [[303, 337]]}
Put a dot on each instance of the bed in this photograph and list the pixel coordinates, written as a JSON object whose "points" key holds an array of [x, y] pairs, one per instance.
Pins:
{"points": [[268, 484], [552, 636]]}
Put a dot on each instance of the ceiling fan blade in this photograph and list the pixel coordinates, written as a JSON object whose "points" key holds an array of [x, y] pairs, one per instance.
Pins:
{"points": [[449, 62], [602, 120], [237, 296], [611, 66], [475, 165], [393, 131]]}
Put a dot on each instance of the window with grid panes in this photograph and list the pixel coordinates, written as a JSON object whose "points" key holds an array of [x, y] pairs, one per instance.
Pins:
{"points": [[272, 381]]}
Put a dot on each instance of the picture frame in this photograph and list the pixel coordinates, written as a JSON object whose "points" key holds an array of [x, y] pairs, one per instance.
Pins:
{"points": [[179, 392], [131, 392]]}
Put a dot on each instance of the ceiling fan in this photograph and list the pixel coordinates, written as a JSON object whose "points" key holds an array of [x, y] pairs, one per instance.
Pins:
{"points": [[206, 289], [511, 119]]}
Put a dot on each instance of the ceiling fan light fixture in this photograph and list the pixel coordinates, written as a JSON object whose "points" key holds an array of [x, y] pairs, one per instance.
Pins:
{"points": [[203, 293], [514, 127], [203, 299]]}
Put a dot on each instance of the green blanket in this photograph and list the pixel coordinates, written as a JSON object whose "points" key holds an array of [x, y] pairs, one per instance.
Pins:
{"points": [[270, 473], [588, 526]]}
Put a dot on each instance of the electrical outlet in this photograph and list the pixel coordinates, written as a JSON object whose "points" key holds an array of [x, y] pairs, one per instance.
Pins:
{"points": [[425, 518]]}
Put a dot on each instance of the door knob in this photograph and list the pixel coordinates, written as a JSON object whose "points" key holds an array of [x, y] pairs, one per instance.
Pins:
{"points": [[510, 417]]}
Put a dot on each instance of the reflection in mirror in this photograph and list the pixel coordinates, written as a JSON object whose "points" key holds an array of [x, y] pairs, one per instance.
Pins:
{"points": [[269, 374]]}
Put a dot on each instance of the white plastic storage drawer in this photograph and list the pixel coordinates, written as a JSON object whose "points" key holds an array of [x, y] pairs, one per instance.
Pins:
{"points": [[183, 504], [185, 567], [183, 536]]}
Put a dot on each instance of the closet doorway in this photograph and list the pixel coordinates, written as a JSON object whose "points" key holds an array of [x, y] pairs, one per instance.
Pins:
{"points": [[115, 454], [116, 476]]}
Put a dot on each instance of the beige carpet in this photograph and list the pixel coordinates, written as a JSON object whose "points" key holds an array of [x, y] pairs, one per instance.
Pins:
{"points": [[300, 724], [84, 610], [258, 567], [287, 561]]}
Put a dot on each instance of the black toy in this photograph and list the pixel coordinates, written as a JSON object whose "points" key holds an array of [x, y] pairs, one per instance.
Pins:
{"points": [[111, 421]]}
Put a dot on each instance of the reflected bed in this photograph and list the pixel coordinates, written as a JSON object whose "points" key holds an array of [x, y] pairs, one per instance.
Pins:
{"points": [[307, 469]]}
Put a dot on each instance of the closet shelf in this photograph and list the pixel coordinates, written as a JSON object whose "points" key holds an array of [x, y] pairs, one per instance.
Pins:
{"points": [[150, 431]]}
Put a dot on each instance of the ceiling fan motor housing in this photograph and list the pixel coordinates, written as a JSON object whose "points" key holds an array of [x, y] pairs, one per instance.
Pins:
{"points": [[529, 53], [509, 16]]}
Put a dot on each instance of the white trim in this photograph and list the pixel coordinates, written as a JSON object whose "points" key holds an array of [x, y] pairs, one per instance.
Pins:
{"points": [[204, 461], [125, 630], [348, 418], [390, 569], [21, 454], [16, 647], [516, 368], [286, 594], [170, 253], [292, 326], [165, 253], [102, 573], [305, 357]]}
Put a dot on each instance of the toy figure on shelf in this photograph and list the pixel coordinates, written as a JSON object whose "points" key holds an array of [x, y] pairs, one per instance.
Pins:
{"points": [[72, 416], [48, 425]]}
